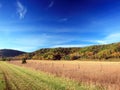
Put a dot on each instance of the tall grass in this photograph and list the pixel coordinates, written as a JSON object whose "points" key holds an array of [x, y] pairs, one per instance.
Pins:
{"points": [[20, 78], [103, 74]]}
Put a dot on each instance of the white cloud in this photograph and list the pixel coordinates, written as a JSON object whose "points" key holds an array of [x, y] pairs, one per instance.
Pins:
{"points": [[51, 4], [115, 37], [111, 38], [21, 10], [73, 45], [98, 41]]}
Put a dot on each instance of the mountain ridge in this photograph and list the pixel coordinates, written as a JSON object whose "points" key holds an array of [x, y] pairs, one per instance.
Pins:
{"points": [[10, 53], [105, 51]]}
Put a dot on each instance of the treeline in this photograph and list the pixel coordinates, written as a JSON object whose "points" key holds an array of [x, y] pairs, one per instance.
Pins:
{"points": [[90, 52]]}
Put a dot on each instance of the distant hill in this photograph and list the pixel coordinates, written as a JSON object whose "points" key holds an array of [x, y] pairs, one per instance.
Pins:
{"points": [[10, 53], [91, 52]]}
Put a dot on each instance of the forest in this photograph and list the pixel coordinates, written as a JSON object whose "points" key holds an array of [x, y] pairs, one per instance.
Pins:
{"points": [[76, 53]]}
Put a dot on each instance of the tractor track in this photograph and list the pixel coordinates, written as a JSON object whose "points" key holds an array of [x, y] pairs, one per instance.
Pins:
{"points": [[6, 82], [7, 86]]}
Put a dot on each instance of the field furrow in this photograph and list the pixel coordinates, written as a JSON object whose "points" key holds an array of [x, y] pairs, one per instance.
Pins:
{"points": [[2, 80]]}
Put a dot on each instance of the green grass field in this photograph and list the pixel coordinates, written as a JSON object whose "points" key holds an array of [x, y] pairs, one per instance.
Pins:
{"points": [[19, 78]]}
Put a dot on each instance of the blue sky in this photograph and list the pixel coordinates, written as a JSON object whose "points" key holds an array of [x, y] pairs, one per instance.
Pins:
{"points": [[29, 25]]}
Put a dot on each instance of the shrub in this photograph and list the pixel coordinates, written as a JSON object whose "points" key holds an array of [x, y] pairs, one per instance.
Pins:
{"points": [[74, 57], [24, 60], [8, 59], [4, 59], [67, 57]]}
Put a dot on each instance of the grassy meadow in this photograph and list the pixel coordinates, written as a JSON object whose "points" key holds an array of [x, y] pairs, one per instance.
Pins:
{"points": [[13, 77], [102, 74]]}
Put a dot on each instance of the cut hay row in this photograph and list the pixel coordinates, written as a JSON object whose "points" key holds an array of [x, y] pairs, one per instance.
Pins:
{"points": [[2, 81]]}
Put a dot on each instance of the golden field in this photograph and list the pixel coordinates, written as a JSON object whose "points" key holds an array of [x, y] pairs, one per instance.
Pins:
{"points": [[13, 77], [103, 74]]}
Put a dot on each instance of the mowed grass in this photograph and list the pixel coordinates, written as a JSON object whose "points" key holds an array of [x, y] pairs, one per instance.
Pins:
{"points": [[2, 81], [20, 78]]}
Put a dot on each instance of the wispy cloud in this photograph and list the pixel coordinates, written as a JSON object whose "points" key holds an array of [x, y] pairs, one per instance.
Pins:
{"points": [[101, 41], [97, 41], [114, 37], [21, 9], [111, 38], [63, 20], [34, 42], [72, 45], [51, 4], [0, 5], [27, 42]]}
